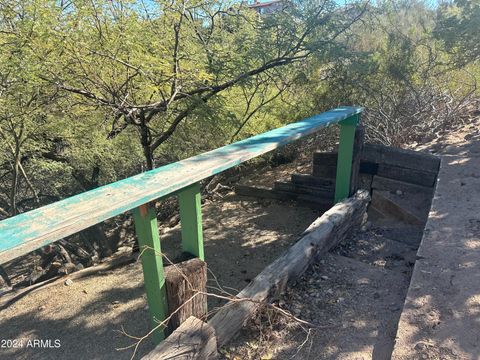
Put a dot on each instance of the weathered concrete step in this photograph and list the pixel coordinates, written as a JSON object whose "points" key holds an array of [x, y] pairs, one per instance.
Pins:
{"points": [[358, 304], [377, 250]]}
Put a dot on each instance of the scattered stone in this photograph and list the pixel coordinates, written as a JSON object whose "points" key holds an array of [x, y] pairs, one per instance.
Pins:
{"points": [[422, 346], [68, 282], [324, 277], [399, 192]]}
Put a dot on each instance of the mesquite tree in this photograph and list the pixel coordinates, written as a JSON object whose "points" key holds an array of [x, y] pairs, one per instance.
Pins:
{"points": [[154, 66]]}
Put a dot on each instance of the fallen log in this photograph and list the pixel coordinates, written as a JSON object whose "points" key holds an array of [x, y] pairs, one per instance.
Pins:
{"points": [[193, 340], [323, 234]]}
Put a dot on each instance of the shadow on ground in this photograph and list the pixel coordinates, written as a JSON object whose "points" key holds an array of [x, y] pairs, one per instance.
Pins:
{"points": [[241, 238]]}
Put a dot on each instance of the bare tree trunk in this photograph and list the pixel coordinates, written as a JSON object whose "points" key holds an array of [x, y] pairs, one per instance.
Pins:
{"points": [[5, 277], [146, 141], [14, 188]]}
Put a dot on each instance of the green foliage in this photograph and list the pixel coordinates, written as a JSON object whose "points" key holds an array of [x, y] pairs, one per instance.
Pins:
{"points": [[94, 91], [457, 26]]}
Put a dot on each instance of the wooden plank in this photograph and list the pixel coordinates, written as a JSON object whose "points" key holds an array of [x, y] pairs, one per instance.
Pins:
{"points": [[345, 158], [324, 172], [368, 168], [325, 163], [146, 228], [325, 158], [34, 229], [321, 235], [326, 193], [409, 159], [418, 177], [182, 281], [382, 183], [193, 340], [308, 200], [310, 180], [189, 200]]}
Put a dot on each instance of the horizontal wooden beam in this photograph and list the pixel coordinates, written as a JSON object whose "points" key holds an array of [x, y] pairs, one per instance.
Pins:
{"points": [[382, 183], [408, 159], [322, 192], [34, 229], [303, 199], [417, 177]]}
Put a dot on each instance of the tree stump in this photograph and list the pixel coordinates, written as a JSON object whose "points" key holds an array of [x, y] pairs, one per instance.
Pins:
{"points": [[183, 281]]}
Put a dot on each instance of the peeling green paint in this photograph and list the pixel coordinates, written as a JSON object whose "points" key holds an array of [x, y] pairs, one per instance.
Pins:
{"points": [[34, 229]]}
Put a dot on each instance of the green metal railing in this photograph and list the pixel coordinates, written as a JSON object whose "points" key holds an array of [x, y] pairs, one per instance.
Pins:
{"points": [[26, 232]]}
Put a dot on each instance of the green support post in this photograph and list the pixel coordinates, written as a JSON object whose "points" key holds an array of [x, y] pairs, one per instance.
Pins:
{"points": [[146, 229], [345, 156], [191, 220]]}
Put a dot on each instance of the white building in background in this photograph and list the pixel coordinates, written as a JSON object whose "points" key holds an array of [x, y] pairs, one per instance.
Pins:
{"points": [[267, 7]]}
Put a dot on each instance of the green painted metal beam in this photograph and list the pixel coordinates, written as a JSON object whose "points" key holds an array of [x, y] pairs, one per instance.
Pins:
{"points": [[191, 220], [146, 228], [345, 156]]}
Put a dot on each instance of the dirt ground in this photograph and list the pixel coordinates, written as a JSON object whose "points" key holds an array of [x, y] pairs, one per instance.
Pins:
{"points": [[241, 238], [354, 296]]}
